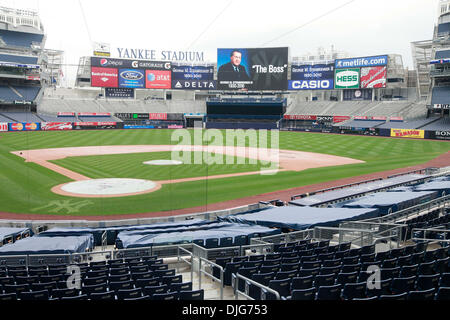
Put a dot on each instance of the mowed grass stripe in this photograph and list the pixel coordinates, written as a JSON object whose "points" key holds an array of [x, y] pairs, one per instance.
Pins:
{"points": [[30, 184]]}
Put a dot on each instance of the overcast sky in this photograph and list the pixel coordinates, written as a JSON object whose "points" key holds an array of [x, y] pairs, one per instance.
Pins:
{"points": [[361, 28]]}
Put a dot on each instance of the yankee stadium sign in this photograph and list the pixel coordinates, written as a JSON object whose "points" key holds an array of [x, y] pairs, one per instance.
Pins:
{"points": [[165, 55]]}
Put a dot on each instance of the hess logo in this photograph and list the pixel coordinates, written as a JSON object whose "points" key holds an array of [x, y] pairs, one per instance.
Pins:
{"points": [[347, 78]]}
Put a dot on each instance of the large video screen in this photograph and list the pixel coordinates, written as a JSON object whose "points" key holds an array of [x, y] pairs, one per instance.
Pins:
{"points": [[122, 73], [255, 69]]}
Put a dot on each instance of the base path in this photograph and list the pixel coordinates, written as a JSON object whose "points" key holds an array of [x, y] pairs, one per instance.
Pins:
{"points": [[284, 195], [284, 159]]}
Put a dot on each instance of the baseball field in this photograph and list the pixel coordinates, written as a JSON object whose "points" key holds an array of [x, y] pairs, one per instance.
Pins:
{"points": [[26, 186]]}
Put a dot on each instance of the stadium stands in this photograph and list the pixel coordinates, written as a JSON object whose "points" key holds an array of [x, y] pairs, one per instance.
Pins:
{"points": [[20, 39]]}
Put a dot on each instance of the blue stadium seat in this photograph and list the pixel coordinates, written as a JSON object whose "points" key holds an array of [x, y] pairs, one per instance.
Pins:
{"points": [[283, 287], [389, 263], [384, 288], [425, 282], [329, 292], [302, 282], [191, 295], [344, 246], [332, 263], [34, 295], [344, 278], [151, 290], [289, 266], [127, 294], [443, 293], [310, 264], [185, 286], [408, 271], [304, 294], [95, 280], [401, 296], [324, 280], [351, 268], [94, 288], [65, 292], [268, 269], [303, 272], [80, 297], [262, 278], [426, 268], [390, 273], [26, 279], [168, 296], [354, 290], [444, 281], [330, 270], [8, 297], [172, 279], [16, 288], [119, 278], [281, 275], [442, 265], [401, 285], [422, 295], [110, 295], [122, 285]]}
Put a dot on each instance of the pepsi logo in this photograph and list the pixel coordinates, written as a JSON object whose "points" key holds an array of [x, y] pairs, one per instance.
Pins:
{"points": [[104, 62]]}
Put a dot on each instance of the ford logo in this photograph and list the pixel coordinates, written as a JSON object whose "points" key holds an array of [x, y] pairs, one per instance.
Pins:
{"points": [[131, 75]]}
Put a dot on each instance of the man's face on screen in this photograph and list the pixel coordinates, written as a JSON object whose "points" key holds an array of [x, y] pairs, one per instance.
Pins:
{"points": [[236, 58]]}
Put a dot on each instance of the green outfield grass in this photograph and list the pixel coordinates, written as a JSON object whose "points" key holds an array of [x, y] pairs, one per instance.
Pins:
{"points": [[25, 187]]}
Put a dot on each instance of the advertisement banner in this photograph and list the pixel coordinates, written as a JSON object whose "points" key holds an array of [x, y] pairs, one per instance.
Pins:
{"points": [[346, 79], [22, 126], [137, 126], [362, 62], [312, 77], [441, 106], [66, 114], [157, 116], [174, 126], [95, 124], [252, 69], [120, 93], [408, 133], [442, 135], [3, 126], [94, 114], [56, 126], [361, 118], [157, 79], [400, 119], [379, 118], [337, 119], [129, 64], [299, 117], [131, 78], [194, 85], [104, 77], [373, 77], [195, 73], [102, 49]]}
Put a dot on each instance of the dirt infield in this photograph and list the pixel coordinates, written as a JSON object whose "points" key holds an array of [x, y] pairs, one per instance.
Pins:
{"points": [[284, 195], [287, 159]]}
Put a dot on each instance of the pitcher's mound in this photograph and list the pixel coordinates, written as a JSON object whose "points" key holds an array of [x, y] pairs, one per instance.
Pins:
{"points": [[114, 187], [163, 162]]}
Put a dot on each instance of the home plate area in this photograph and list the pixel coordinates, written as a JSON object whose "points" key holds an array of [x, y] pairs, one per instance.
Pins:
{"points": [[112, 187]]}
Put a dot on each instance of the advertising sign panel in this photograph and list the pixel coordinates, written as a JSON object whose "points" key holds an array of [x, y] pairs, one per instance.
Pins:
{"points": [[131, 78], [194, 84], [56, 126], [130, 64], [312, 77], [157, 116], [361, 62], [442, 135], [299, 117], [346, 79], [104, 77], [337, 119], [22, 126], [183, 72], [252, 69], [3, 126], [157, 79], [408, 133], [373, 77], [122, 93]]}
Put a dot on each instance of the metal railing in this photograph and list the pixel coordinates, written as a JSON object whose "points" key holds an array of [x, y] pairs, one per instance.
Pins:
{"points": [[205, 262], [431, 234], [188, 262], [248, 281]]}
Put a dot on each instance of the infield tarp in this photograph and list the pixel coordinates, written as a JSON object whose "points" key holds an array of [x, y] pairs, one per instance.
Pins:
{"points": [[442, 186], [111, 232], [301, 218], [391, 200], [49, 245], [13, 232], [334, 195], [233, 230]]}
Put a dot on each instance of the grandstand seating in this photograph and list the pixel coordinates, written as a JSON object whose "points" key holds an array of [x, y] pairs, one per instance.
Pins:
{"points": [[7, 94], [441, 124], [98, 282], [440, 95], [22, 116]]}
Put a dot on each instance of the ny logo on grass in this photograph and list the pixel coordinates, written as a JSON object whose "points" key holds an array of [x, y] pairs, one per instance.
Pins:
{"points": [[244, 147], [70, 206]]}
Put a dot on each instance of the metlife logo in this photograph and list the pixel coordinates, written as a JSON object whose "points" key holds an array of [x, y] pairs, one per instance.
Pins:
{"points": [[361, 62]]}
